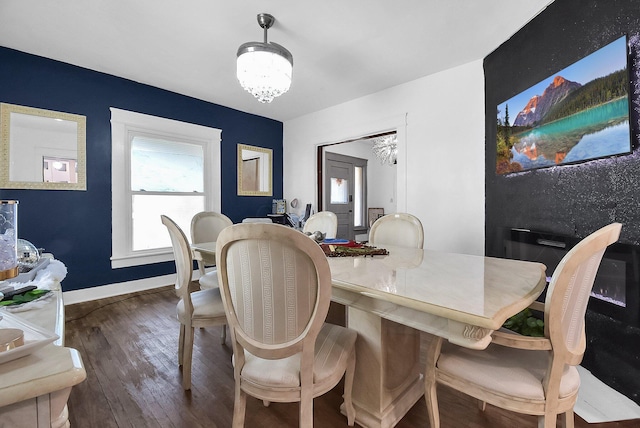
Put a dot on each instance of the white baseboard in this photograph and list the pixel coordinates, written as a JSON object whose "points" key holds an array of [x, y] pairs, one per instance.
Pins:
{"points": [[111, 290]]}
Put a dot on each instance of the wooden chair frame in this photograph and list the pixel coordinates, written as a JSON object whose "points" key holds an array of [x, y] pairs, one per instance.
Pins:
{"points": [[184, 272], [205, 227], [564, 343], [378, 234], [303, 344]]}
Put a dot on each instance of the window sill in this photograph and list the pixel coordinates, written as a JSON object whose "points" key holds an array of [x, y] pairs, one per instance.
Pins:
{"points": [[141, 259]]}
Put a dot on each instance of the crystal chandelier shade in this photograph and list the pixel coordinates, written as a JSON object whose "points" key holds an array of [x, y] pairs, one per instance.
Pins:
{"points": [[264, 69], [386, 149]]}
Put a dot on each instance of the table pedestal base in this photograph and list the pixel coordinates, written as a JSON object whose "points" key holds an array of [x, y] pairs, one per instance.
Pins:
{"points": [[387, 380]]}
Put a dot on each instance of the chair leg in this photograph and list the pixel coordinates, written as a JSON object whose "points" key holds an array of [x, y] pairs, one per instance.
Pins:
{"points": [[306, 397], [266, 403], [201, 267], [547, 421], [431, 399], [223, 334], [306, 412], [567, 419], [239, 406], [186, 359], [181, 345], [482, 405], [348, 388]]}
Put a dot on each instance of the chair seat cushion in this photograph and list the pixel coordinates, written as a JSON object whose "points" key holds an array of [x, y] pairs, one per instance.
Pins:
{"points": [[209, 280], [333, 346], [206, 304], [509, 371]]}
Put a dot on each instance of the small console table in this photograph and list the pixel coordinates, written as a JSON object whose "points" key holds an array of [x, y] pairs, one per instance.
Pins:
{"points": [[34, 389]]}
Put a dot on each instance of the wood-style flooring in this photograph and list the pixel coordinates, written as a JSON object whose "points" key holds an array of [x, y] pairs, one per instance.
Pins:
{"points": [[129, 348]]}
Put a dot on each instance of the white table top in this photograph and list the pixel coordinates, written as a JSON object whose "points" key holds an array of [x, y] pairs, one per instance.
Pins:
{"points": [[482, 291], [477, 290]]}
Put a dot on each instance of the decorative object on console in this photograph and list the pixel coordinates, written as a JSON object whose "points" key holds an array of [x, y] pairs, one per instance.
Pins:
{"points": [[28, 255], [264, 68], [278, 206], [46, 276], [8, 239]]}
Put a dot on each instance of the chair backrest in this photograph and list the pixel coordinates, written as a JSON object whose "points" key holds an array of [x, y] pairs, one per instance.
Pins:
{"points": [[183, 259], [275, 284], [324, 221], [207, 225], [569, 290], [400, 229]]}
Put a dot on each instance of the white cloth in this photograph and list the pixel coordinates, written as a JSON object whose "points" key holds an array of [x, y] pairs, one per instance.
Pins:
{"points": [[48, 278]]}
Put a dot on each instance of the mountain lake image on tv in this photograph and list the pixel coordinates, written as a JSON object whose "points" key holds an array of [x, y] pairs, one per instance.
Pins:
{"points": [[577, 114]]}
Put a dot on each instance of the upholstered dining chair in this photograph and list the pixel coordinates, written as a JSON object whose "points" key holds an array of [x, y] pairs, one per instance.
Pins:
{"points": [[276, 286], [530, 375], [205, 227], [323, 221], [195, 309], [400, 229]]}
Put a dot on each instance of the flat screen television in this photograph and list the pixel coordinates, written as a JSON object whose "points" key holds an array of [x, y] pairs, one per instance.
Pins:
{"points": [[578, 114]]}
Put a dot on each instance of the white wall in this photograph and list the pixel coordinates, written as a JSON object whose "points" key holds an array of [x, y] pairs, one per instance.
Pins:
{"points": [[440, 171]]}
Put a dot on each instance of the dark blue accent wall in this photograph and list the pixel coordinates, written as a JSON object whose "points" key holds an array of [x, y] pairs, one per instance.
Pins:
{"points": [[76, 225]]}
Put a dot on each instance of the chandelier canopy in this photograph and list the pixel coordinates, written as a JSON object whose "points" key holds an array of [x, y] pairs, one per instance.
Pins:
{"points": [[264, 68]]}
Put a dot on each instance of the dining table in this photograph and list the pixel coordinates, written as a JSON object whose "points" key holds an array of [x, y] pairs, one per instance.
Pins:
{"points": [[390, 299]]}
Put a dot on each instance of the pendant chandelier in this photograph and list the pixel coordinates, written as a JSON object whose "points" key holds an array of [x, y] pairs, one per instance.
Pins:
{"points": [[264, 68], [386, 149]]}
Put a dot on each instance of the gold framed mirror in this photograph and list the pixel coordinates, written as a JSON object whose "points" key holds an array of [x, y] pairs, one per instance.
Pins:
{"points": [[42, 149], [254, 171]]}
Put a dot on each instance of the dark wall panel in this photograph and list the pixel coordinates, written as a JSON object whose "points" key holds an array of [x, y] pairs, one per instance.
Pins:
{"points": [[578, 199], [76, 225]]}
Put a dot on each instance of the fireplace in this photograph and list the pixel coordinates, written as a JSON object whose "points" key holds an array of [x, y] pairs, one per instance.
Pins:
{"points": [[616, 291], [612, 320]]}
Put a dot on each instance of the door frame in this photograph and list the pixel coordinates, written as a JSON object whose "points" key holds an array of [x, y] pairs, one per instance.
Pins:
{"points": [[320, 161]]}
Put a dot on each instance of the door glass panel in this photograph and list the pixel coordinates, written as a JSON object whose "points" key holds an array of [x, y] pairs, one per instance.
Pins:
{"points": [[358, 196], [339, 191]]}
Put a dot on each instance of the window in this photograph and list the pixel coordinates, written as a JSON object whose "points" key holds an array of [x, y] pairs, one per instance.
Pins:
{"points": [[159, 166]]}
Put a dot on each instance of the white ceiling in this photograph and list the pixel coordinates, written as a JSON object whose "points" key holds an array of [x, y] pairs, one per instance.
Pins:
{"points": [[342, 49]]}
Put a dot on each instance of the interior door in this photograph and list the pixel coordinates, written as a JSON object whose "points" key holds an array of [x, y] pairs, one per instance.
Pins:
{"points": [[338, 192]]}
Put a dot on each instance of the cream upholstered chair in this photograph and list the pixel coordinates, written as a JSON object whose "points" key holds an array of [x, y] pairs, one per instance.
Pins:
{"points": [[401, 229], [529, 375], [195, 309], [205, 227], [323, 221], [276, 286]]}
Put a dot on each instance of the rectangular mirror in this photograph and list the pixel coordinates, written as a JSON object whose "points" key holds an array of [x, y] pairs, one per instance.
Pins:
{"points": [[254, 171], [42, 149]]}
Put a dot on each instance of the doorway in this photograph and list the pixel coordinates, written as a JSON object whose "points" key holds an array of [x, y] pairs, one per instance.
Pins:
{"points": [[354, 161], [345, 192]]}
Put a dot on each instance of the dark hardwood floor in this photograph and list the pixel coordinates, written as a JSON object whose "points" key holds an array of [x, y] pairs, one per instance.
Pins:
{"points": [[129, 348]]}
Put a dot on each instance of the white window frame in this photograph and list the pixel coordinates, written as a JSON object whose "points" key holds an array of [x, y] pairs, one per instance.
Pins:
{"points": [[123, 124]]}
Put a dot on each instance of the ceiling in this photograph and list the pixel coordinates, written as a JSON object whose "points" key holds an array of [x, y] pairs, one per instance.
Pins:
{"points": [[342, 49]]}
